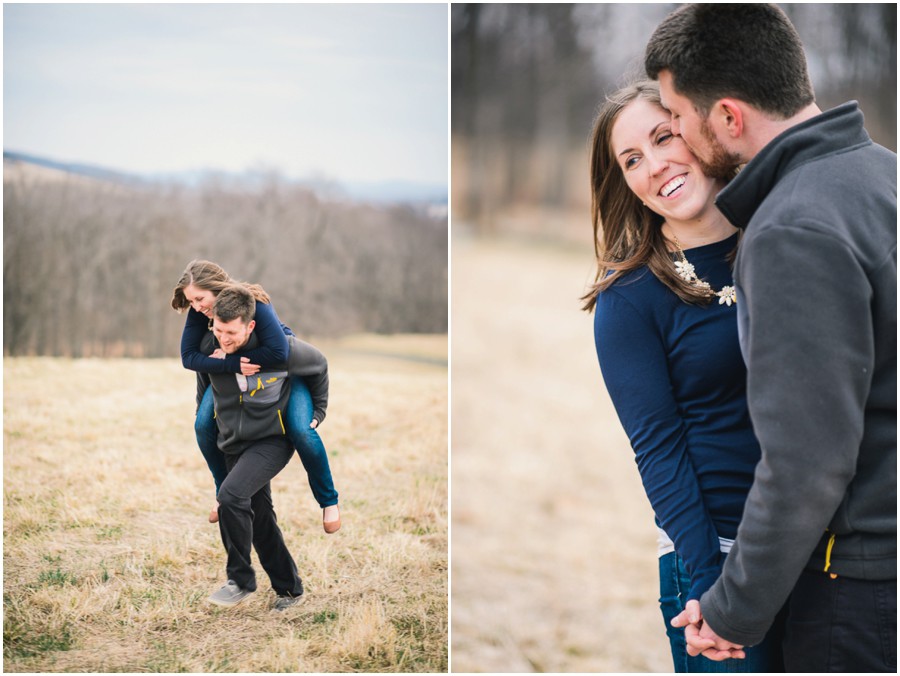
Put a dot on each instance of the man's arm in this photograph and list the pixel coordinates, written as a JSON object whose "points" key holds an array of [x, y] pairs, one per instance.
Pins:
{"points": [[307, 362], [203, 382], [810, 355]]}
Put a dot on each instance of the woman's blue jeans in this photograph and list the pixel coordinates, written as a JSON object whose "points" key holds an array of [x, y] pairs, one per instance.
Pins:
{"points": [[674, 586], [298, 416]]}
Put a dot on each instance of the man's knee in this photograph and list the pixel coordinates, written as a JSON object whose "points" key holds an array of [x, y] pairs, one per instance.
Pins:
{"points": [[230, 500]]}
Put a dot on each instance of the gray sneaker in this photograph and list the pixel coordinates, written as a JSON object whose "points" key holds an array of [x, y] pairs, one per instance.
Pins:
{"points": [[285, 602], [229, 595]]}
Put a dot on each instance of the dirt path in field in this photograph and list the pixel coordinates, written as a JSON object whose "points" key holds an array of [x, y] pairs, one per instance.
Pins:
{"points": [[553, 563]]}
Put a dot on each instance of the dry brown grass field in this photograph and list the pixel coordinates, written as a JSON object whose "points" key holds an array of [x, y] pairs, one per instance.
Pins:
{"points": [[108, 557], [554, 563]]}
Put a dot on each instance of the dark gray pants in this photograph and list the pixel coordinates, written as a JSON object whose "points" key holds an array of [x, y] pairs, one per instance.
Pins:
{"points": [[841, 625], [246, 517]]}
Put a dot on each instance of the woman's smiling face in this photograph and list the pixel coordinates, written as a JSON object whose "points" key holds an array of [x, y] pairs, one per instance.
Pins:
{"points": [[658, 166], [200, 299]]}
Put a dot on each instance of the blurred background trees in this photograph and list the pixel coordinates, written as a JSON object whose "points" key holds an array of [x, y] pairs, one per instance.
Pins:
{"points": [[526, 80], [89, 265]]}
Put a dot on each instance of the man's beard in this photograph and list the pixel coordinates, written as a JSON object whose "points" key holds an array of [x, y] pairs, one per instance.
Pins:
{"points": [[722, 164]]}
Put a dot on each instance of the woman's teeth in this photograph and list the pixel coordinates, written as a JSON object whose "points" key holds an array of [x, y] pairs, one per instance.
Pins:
{"points": [[672, 186]]}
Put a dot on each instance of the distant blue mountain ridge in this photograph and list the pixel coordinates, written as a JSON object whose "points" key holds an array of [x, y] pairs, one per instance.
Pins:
{"points": [[396, 191]]}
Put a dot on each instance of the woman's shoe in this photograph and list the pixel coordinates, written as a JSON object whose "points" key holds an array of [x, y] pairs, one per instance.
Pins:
{"points": [[214, 515], [331, 526]]}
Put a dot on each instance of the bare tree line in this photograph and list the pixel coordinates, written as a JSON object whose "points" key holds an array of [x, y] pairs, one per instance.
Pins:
{"points": [[526, 80], [89, 266]]}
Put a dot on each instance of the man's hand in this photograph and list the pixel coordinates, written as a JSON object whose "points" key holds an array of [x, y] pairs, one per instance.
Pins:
{"points": [[218, 353], [701, 639]]}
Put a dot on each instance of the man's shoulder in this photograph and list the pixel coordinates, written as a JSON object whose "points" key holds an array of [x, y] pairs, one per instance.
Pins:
{"points": [[834, 194]]}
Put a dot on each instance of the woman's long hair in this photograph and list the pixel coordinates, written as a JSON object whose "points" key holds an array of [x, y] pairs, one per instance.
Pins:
{"points": [[208, 276], [627, 235]]}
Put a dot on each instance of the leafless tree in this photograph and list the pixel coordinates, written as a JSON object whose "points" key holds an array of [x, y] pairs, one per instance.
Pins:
{"points": [[526, 80], [89, 266]]}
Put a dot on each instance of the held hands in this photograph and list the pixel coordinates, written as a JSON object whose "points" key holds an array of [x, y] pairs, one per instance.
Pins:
{"points": [[247, 369], [701, 639]]}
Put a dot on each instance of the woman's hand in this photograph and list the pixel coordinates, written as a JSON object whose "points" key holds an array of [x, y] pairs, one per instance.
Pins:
{"points": [[247, 368], [701, 639], [314, 424], [690, 615]]}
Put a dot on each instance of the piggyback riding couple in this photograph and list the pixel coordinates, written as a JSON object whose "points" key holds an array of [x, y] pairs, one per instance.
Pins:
{"points": [[261, 393]]}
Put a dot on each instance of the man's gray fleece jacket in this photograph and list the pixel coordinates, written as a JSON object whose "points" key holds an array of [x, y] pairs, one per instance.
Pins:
{"points": [[246, 416], [816, 275]]}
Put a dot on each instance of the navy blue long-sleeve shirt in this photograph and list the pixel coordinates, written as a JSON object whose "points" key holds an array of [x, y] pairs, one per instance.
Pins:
{"points": [[272, 350], [676, 377]]}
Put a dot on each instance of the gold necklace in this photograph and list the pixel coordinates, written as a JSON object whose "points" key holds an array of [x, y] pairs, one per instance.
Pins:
{"points": [[685, 270]]}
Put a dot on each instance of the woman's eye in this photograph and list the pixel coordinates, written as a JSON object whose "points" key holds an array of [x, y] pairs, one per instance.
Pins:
{"points": [[631, 161], [664, 137]]}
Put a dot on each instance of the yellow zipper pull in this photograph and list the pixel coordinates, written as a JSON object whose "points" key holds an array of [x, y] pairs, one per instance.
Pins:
{"points": [[828, 554]]}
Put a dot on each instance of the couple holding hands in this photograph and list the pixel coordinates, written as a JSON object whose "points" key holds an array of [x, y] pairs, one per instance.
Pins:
{"points": [[745, 323]]}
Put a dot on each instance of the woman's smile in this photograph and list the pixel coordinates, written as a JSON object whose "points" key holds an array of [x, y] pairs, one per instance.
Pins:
{"points": [[672, 186], [657, 165], [201, 300]]}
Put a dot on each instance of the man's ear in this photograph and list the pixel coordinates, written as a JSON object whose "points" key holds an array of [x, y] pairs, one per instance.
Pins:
{"points": [[728, 116], [251, 325]]}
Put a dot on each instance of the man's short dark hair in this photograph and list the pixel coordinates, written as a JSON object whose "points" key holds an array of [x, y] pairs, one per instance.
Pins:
{"points": [[233, 302], [749, 52]]}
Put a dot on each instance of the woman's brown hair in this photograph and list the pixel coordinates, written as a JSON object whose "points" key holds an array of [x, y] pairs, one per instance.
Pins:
{"points": [[627, 235], [208, 276]]}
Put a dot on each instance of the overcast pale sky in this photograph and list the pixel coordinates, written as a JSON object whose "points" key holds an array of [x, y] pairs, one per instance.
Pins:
{"points": [[340, 91]]}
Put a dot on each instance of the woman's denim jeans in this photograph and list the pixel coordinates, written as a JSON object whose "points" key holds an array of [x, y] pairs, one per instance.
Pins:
{"points": [[309, 445], [674, 585]]}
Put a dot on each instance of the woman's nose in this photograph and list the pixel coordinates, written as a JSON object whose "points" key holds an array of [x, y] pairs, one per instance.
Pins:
{"points": [[658, 164]]}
